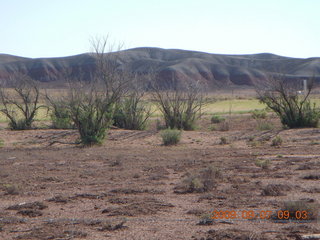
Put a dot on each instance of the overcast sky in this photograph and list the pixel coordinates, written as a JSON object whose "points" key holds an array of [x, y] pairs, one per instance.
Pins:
{"points": [[56, 28]]}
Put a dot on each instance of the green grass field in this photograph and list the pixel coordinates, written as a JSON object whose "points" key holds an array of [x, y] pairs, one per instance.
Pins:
{"points": [[233, 106]]}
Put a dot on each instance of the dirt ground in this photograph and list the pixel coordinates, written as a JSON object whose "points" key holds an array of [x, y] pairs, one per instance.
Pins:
{"points": [[133, 187]]}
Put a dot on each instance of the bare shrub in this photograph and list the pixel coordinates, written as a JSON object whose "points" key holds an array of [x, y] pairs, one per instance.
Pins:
{"points": [[181, 105], [282, 97], [132, 113], [92, 104], [21, 103]]}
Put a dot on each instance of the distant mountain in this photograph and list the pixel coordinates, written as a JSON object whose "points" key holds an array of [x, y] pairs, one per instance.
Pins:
{"points": [[216, 70]]}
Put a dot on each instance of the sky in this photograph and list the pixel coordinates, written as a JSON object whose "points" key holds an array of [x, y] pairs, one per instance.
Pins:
{"points": [[57, 28]]}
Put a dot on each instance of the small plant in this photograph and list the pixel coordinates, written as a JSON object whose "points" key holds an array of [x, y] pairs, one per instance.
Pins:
{"points": [[259, 114], [314, 142], [11, 189], [160, 126], [132, 113], [204, 181], [279, 156], [212, 128], [264, 126], [1, 142], [298, 210], [170, 136], [224, 126], [223, 141], [61, 118], [277, 141], [263, 163], [217, 119], [206, 219]]}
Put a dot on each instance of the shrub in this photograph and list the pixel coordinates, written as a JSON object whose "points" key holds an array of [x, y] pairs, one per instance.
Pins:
{"points": [[217, 119], [11, 189], [295, 210], [223, 140], [1, 142], [181, 106], [204, 181], [170, 136], [259, 114], [264, 125], [131, 113], [224, 126], [21, 105], [282, 97], [61, 118], [263, 163], [277, 141], [91, 123]]}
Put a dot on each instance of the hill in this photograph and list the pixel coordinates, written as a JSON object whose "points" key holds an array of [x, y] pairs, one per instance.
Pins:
{"points": [[216, 70]]}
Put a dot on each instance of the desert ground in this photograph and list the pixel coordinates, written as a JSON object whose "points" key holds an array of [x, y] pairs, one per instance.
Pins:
{"points": [[133, 187]]}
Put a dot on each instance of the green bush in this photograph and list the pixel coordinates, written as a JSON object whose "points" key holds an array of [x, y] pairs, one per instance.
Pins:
{"points": [[61, 118], [131, 113], [217, 119], [20, 124], [170, 136], [223, 141], [91, 128], [259, 114], [264, 125], [277, 141]]}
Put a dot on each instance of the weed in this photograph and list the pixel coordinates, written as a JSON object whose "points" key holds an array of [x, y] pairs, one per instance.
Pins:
{"points": [[263, 163], [224, 126], [204, 181], [212, 128], [279, 156], [298, 210], [217, 119], [11, 189], [223, 141], [259, 114], [206, 219], [314, 142], [170, 136], [277, 141], [1, 142], [264, 126]]}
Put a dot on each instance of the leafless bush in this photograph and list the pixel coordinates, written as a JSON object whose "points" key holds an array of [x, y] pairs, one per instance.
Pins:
{"points": [[20, 103], [285, 99], [181, 106]]}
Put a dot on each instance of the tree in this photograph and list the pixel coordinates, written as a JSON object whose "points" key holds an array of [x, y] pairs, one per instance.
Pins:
{"points": [[21, 102], [285, 99]]}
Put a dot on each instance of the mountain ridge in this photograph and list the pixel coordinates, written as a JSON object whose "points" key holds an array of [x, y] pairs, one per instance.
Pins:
{"points": [[215, 70]]}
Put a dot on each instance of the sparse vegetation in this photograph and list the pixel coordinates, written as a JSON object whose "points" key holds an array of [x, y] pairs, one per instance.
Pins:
{"points": [[277, 141], [259, 114], [181, 106], [22, 103], [170, 136], [264, 126], [11, 189], [224, 126], [217, 119], [204, 181], [263, 163], [223, 141], [298, 210], [283, 98], [132, 113]]}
